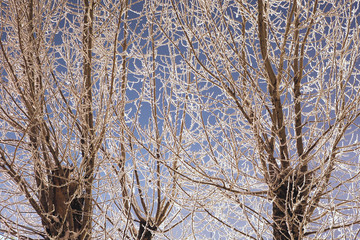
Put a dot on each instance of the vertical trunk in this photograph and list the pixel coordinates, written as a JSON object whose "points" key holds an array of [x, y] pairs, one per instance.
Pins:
{"points": [[67, 215], [289, 208], [145, 231], [88, 148], [291, 191]]}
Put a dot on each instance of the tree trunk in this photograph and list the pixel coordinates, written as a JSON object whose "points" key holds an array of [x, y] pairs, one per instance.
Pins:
{"points": [[66, 219], [145, 231], [289, 208]]}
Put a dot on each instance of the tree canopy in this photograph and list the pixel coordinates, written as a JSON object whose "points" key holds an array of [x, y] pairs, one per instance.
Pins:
{"points": [[165, 119]]}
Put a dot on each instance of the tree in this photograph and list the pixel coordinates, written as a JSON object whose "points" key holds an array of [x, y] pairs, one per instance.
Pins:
{"points": [[70, 148], [148, 124], [179, 119], [53, 117], [274, 92]]}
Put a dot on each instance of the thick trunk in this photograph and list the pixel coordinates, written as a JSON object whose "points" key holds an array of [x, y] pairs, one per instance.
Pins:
{"points": [[66, 219], [289, 208], [145, 231]]}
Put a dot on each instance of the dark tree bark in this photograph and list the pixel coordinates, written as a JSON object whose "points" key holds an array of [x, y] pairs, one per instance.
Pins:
{"points": [[145, 231], [67, 214], [289, 207]]}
